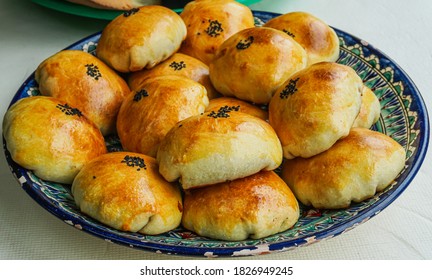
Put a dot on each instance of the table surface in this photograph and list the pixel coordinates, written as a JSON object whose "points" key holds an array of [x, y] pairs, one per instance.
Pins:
{"points": [[30, 33]]}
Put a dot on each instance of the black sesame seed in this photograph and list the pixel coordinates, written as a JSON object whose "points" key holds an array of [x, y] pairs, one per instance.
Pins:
{"points": [[134, 162], [223, 111], [68, 110], [244, 44], [131, 12], [140, 94], [289, 89], [93, 71], [214, 29], [177, 66]]}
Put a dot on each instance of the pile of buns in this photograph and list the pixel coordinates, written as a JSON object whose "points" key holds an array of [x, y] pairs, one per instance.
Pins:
{"points": [[206, 106]]}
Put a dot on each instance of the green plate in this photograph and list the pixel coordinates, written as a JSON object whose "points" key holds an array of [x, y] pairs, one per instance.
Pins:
{"points": [[80, 10]]}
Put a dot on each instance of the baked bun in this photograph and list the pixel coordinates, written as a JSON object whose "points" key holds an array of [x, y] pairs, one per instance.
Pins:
{"points": [[354, 169], [240, 105], [141, 38], [315, 107], [180, 65], [218, 146], [85, 82], [253, 207], [209, 23], [370, 109], [125, 191], [115, 4], [314, 35], [253, 63], [49, 137], [148, 114]]}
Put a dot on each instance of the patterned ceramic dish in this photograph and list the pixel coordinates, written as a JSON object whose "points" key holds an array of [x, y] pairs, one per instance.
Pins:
{"points": [[80, 10], [403, 117]]}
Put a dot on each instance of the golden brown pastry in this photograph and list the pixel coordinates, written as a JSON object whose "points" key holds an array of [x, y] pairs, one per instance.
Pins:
{"points": [[83, 81], [180, 65], [141, 38], [370, 109], [125, 191], [51, 138], [354, 169], [148, 114], [318, 39], [116, 4], [315, 107], [218, 146], [253, 63], [243, 106], [209, 23], [253, 207]]}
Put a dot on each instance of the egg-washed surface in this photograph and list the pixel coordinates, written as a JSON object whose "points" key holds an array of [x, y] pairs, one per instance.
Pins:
{"points": [[403, 118]]}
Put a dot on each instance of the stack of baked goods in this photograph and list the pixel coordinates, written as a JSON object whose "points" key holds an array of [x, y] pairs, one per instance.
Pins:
{"points": [[206, 107]]}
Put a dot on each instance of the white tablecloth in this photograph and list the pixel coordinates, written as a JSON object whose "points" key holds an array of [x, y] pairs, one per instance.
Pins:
{"points": [[402, 29]]}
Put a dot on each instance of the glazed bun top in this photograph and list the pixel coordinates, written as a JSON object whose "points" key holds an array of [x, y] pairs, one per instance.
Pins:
{"points": [[180, 65], [141, 38], [218, 146], [353, 169], [318, 39], [253, 63], [252, 207], [125, 191], [315, 107], [209, 23], [51, 138], [85, 82], [148, 114]]}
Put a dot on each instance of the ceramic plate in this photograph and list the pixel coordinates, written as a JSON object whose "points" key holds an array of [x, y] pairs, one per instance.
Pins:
{"points": [[403, 117], [80, 10]]}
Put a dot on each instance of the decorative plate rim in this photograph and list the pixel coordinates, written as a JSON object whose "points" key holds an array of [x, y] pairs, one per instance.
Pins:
{"points": [[22, 176]]}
